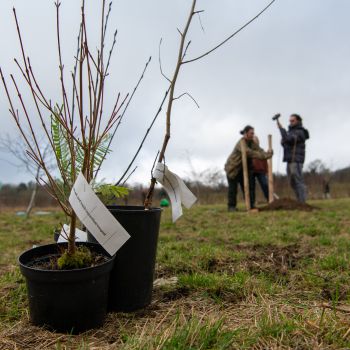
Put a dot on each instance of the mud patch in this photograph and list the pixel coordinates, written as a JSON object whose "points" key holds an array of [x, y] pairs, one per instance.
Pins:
{"points": [[167, 289], [230, 296], [335, 293], [168, 294], [275, 259], [287, 204], [168, 271], [261, 258], [175, 294], [220, 265]]}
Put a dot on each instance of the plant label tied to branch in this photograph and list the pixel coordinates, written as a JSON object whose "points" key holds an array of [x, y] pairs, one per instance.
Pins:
{"points": [[176, 189], [96, 217]]}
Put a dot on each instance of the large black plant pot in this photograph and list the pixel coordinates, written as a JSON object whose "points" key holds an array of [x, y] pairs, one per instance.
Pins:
{"points": [[132, 276], [67, 301]]}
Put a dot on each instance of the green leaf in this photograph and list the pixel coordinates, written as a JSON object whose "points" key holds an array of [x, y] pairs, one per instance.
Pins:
{"points": [[109, 193], [60, 142]]}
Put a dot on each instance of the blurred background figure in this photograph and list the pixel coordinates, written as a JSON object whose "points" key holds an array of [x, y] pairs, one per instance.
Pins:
{"points": [[234, 167], [326, 188], [259, 172], [293, 143]]}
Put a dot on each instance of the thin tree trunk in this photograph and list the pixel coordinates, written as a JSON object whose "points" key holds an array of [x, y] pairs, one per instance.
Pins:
{"points": [[32, 200], [270, 172], [181, 52], [34, 192]]}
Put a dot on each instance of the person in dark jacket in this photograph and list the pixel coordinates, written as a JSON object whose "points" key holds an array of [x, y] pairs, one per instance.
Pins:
{"points": [[293, 142], [234, 168]]}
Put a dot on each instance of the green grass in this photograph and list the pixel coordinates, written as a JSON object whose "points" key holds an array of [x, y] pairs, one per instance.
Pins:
{"points": [[244, 281]]}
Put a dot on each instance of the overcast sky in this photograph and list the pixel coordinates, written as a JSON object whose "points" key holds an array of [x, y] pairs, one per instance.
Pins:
{"points": [[293, 59]]}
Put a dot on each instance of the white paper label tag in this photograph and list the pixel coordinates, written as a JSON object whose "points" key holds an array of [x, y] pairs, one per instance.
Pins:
{"points": [[176, 189], [96, 217], [80, 236]]}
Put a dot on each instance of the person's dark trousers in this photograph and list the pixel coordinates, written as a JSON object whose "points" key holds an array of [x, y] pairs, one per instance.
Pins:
{"points": [[232, 190], [252, 190], [295, 175], [262, 179]]}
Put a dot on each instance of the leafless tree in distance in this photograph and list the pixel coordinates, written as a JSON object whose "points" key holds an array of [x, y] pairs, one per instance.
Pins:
{"points": [[16, 148]]}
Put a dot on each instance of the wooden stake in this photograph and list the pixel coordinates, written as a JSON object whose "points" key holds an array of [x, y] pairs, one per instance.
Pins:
{"points": [[245, 174], [270, 173]]}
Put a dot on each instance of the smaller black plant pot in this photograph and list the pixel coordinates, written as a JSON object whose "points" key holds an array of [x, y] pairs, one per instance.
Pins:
{"points": [[67, 301], [131, 281]]}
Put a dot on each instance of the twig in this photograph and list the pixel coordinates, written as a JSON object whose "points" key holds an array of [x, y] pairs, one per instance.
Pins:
{"points": [[191, 97], [200, 20], [160, 61], [232, 35], [129, 176], [74, 74]]}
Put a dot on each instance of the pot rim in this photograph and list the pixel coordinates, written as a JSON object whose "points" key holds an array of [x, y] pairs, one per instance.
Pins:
{"points": [[73, 271], [133, 208]]}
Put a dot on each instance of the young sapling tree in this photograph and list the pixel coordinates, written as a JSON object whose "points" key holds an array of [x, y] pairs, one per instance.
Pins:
{"points": [[77, 128], [181, 61]]}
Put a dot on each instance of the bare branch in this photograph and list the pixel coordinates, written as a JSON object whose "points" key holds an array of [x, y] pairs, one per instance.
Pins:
{"points": [[174, 79], [66, 109], [181, 53], [74, 74], [231, 36], [191, 97], [186, 49], [200, 20], [160, 62], [107, 18], [129, 176], [111, 51]]}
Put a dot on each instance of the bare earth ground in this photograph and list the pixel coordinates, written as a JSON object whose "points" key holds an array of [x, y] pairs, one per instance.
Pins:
{"points": [[273, 280]]}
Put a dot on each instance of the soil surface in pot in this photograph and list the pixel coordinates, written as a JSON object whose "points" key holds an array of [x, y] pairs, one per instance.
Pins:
{"points": [[49, 261]]}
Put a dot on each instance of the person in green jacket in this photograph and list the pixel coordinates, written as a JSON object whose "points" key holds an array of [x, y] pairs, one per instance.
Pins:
{"points": [[234, 168]]}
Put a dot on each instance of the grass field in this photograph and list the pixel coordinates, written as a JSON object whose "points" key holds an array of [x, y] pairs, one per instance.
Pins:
{"points": [[273, 280]]}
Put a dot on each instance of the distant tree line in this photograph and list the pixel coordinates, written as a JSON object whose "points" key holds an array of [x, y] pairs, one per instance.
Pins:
{"points": [[209, 186]]}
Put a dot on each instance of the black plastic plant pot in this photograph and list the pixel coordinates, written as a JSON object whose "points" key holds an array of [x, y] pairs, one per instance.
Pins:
{"points": [[67, 301], [131, 281]]}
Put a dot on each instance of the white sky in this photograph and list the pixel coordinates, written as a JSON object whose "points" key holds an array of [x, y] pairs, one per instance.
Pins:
{"points": [[293, 59]]}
